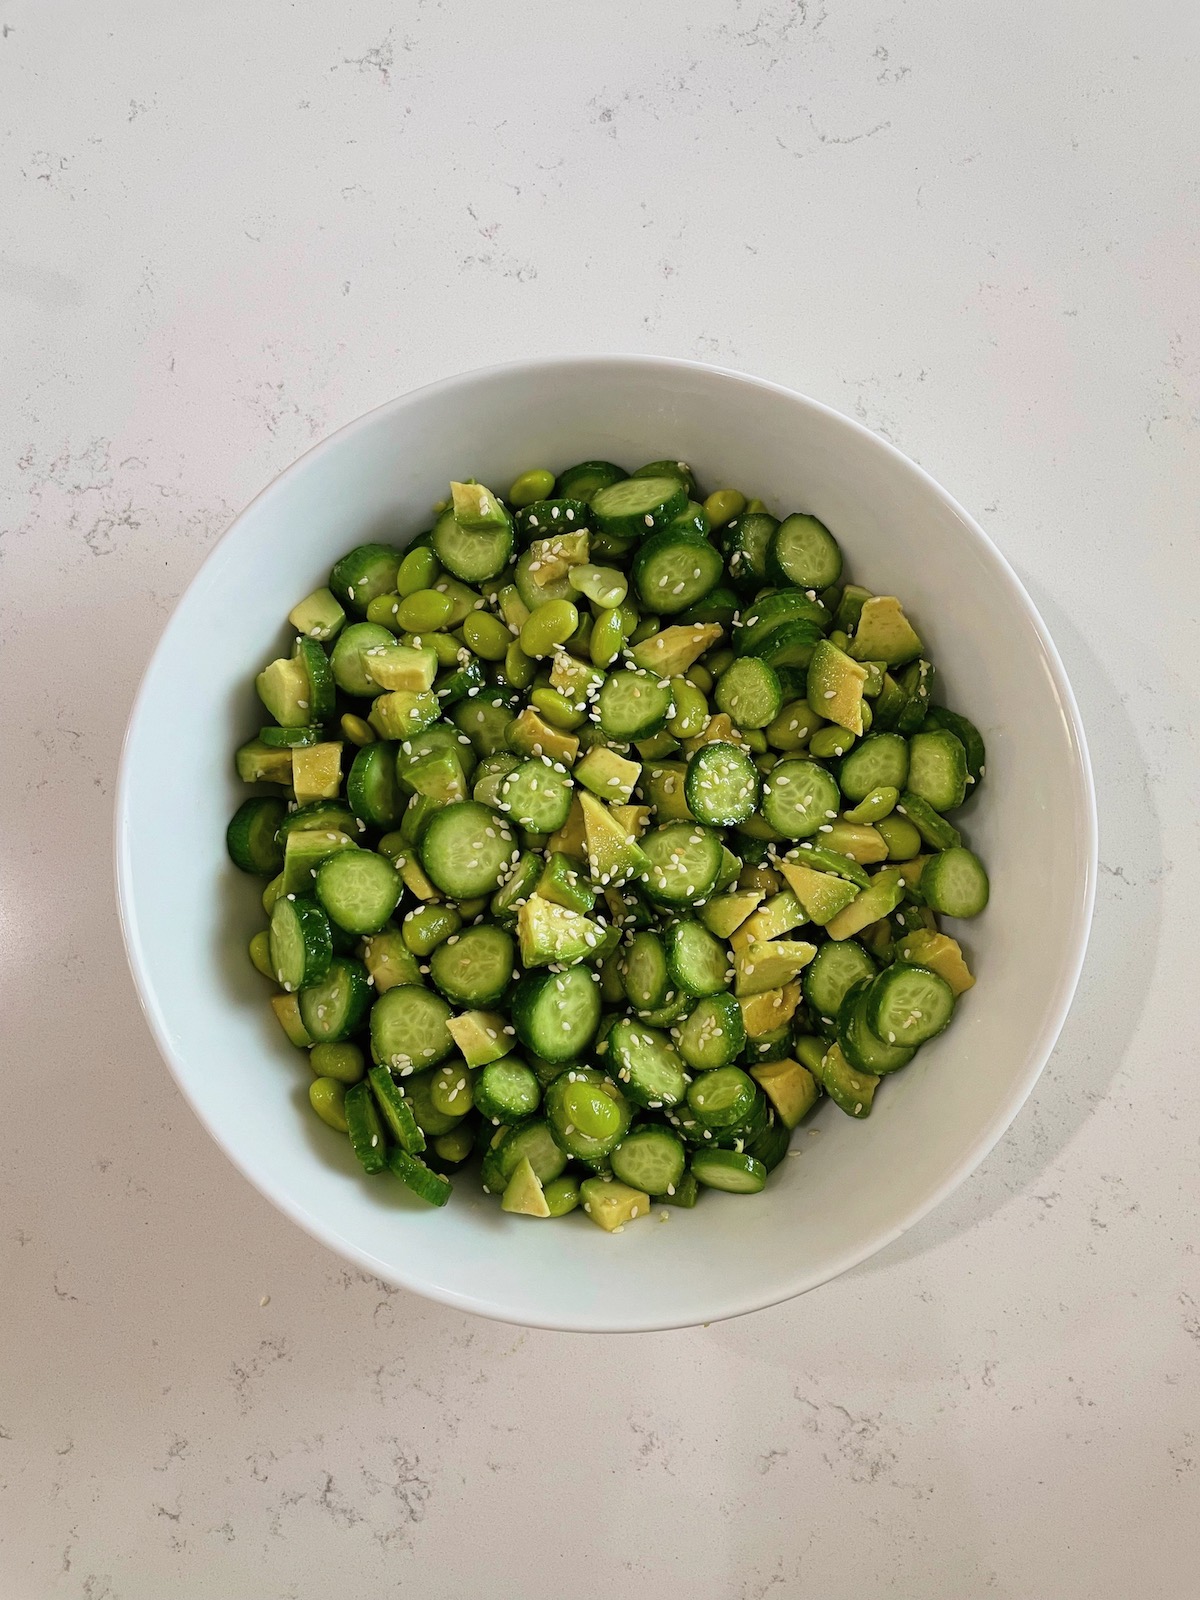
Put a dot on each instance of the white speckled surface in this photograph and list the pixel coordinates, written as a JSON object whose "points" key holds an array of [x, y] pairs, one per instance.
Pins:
{"points": [[225, 229]]}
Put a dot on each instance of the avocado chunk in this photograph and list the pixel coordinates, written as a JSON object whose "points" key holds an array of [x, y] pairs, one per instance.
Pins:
{"points": [[317, 772], [437, 776], [848, 1088], [790, 1087], [261, 763], [529, 735], [883, 633], [389, 960], [477, 508], [399, 713], [676, 649], [304, 850], [853, 598], [551, 933], [882, 898], [612, 854], [611, 1204], [577, 680], [608, 775], [764, 1013], [835, 686], [562, 883], [401, 666], [941, 954], [523, 1193], [554, 557], [821, 894], [780, 915], [664, 790], [770, 965], [481, 1036], [569, 840], [319, 616], [635, 820], [287, 1011], [283, 687], [858, 840], [725, 913]]}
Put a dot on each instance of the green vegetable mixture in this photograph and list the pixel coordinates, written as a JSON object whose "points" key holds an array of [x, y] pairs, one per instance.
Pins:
{"points": [[606, 830]]}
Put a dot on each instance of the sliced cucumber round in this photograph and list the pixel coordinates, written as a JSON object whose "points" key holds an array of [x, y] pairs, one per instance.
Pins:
{"points": [[359, 889], [644, 975], [723, 1098], [831, 974], [698, 961], [799, 798], [748, 693], [586, 1119], [646, 1064], [365, 572], [471, 555], [673, 570], [714, 1034], [536, 797], [862, 1048], [907, 1004], [556, 1014], [633, 705], [335, 1007], [408, 1029], [582, 481], [636, 506], [301, 945], [466, 849], [475, 967], [804, 552], [723, 785], [372, 787], [685, 861], [733, 1171], [252, 837], [955, 883], [649, 1159]]}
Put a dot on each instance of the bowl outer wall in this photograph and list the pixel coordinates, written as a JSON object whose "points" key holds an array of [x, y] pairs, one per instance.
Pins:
{"points": [[848, 1188]]}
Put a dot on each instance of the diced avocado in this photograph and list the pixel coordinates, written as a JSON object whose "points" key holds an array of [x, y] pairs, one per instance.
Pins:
{"points": [[810, 1052], [848, 1088], [612, 854], [883, 633], [854, 596], [821, 894], [569, 839], [437, 776], [611, 1204], [794, 726], [401, 666], [770, 965], [287, 1011], [523, 1193], [481, 1036], [763, 1013], [757, 827], [551, 933], [259, 763], [725, 913], [663, 787], [575, 679], [413, 874], [317, 772], [399, 713], [883, 896], [389, 960], [835, 686], [634, 819], [563, 882], [554, 557], [791, 1089], [304, 850], [877, 936], [779, 915], [941, 954], [419, 809], [676, 649], [477, 508], [284, 689], [319, 616], [608, 775], [873, 683], [529, 735], [730, 868], [858, 840], [719, 727]]}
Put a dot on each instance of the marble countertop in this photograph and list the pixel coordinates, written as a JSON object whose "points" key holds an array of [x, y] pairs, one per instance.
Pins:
{"points": [[225, 229]]}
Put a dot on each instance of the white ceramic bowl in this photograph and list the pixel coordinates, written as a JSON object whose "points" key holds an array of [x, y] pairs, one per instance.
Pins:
{"points": [[852, 1186]]}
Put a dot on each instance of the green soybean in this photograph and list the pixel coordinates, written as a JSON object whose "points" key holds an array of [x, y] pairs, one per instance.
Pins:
{"points": [[486, 635], [610, 632], [344, 1062], [549, 626], [418, 571], [723, 505], [557, 709], [691, 710], [604, 586], [260, 954], [328, 1099], [384, 610], [536, 484], [425, 609], [356, 730], [518, 667]]}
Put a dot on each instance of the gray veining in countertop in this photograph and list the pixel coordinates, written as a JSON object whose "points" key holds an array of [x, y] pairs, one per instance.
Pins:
{"points": [[224, 230]]}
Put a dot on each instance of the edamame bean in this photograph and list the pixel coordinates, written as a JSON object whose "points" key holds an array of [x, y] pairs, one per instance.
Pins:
{"points": [[609, 634], [468, 909], [839, 638], [580, 642], [444, 645], [418, 570], [830, 741], [356, 730], [383, 610], [328, 1099], [755, 507], [562, 1194], [424, 929], [700, 677], [450, 1090], [260, 954], [723, 505], [455, 1145], [691, 710], [486, 635], [557, 709], [512, 608], [756, 740], [536, 484], [341, 1061], [901, 837], [425, 610], [604, 586], [549, 626], [269, 896], [518, 667], [872, 808]]}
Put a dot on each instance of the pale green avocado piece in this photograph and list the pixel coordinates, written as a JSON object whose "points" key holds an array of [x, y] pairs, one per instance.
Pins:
{"points": [[848, 1088], [477, 508], [676, 649], [835, 686], [725, 913], [664, 790], [303, 852], [822, 894], [612, 854], [608, 775], [574, 678], [524, 1194], [780, 915], [551, 933], [480, 1036], [391, 963], [884, 633], [882, 897], [287, 1010], [317, 772], [530, 735], [563, 883], [284, 689], [437, 776], [790, 1087], [399, 713], [401, 666], [611, 1204], [770, 965], [261, 763], [319, 615]]}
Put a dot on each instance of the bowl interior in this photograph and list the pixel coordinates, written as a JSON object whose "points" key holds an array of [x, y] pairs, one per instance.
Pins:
{"points": [[848, 1187]]}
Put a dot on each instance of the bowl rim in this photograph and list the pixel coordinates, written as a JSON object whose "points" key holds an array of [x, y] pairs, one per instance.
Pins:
{"points": [[1073, 952]]}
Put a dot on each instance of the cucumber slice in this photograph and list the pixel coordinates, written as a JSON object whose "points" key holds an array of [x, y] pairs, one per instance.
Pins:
{"points": [[799, 798], [520, 883], [252, 836], [582, 481], [730, 1170], [556, 1014], [722, 786], [955, 883], [507, 1091], [537, 797], [850, 1089], [644, 975], [746, 542], [428, 1107], [426, 1184], [358, 889], [698, 962], [937, 769], [646, 1064], [771, 611], [466, 848], [475, 967], [967, 732], [363, 573], [408, 1029], [879, 762], [348, 662], [684, 863], [365, 1129], [633, 705], [790, 645], [718, 605], [545, 517], [862, 1048], [907, 1005], [484, 721], [530, 1141], [334, 1007], [290, 738], [672, 570], [748, 693], [723, 1098], [649, 1159], [679, 470], [473, 555], [322, 691], [771, 1145], [371, 785], [320, 816], [636, 506], [301, 945], [831, 974], [586, 1119], [937, 833], [804, 552], [395, 1109], [714, 1035]]}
